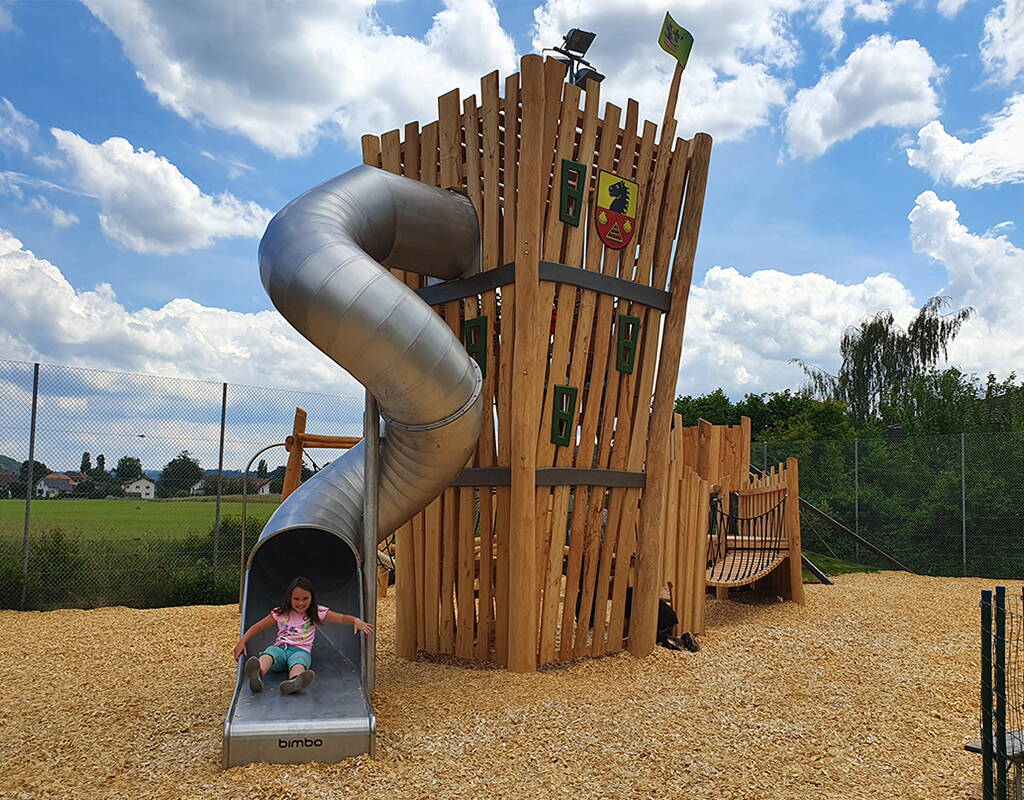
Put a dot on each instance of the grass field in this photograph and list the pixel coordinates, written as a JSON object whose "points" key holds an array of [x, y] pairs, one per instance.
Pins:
{"points": [[123, 519]]}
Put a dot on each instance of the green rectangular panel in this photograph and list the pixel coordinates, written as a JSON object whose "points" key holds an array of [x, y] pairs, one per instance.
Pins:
{"points": [[574, 184], [562, 415], [474, 337], [627, 336]]}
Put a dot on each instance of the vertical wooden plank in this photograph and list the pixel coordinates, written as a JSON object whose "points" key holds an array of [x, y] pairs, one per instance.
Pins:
{"points": [[406, 591], [796, 574], [490, 217], [411, 156], [371, 150], [510, 168], [581, 346], [293, 469], [449, 564], [464, 645], [528, 374], [427, 537]]}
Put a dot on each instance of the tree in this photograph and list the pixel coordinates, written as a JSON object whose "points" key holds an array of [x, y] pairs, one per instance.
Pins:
{"points": [[101, 463], [179, 475], [127, 470], [39, 470], [261, 468], [86, 463], [879, 360]]}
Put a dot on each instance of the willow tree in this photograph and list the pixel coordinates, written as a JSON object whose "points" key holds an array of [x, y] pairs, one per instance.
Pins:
{"points": [[879, 359]]}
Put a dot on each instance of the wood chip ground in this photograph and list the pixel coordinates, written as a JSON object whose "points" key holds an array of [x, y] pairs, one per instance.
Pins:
{"points": [[869, 691]]}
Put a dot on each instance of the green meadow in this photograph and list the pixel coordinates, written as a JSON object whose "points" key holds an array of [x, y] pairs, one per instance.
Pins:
{"points": [[128, 518]]}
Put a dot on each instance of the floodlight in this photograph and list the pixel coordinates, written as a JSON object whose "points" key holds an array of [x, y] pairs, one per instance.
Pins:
{"points": [[587, 74], [578, 41]]}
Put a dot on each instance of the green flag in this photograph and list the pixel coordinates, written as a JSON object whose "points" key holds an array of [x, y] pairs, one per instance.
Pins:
{"points": [[675, 40]]}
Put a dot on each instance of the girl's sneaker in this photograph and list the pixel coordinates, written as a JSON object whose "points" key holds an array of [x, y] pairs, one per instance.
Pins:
{"points": [[301, 681], [252, 672]]}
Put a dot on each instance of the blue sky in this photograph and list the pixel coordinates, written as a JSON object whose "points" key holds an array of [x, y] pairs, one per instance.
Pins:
{"points": [[143, 146]]}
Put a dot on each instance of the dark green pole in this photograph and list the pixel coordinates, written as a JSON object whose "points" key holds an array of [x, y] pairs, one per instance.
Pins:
{"points": [[1000, 693], [986, 694]]}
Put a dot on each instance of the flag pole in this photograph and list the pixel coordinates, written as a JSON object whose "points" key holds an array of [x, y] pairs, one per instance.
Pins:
{"points": [[670, 105]]}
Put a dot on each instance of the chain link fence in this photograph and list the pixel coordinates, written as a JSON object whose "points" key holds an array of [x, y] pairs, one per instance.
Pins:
{"points": [[942, 505], [126, 489]]}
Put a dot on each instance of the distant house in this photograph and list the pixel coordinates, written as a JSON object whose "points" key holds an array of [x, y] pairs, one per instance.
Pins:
{"points": [[6, 479], [259, 486], [54, 485], [140, 487], [197, 487]]}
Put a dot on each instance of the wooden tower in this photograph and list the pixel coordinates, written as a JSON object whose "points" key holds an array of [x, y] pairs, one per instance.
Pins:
{"points": [[527, 559]]}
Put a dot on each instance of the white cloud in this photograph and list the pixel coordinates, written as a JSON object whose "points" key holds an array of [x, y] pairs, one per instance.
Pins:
{"points": [[983, 272], [46, 319], [1002, 48], [731, 84], [883, 82], [16, 130], [950, 8], [741, 330], [833, 13], [147, 205], [278, 73], [995, 157], [58, 216]]}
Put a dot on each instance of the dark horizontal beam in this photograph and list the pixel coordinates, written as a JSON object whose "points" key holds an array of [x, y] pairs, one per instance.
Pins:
{"points": [[549, 271], [554, 476]]}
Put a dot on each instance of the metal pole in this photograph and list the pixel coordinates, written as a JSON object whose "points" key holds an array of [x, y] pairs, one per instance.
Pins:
{"points": [[220, 477], [986, 694], [856, 492], [29, 484], [371, 453], [1000, 693], [963, 505]]}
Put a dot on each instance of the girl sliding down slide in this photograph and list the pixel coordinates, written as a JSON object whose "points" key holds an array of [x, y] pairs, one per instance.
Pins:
{"points": [[297, 620]]}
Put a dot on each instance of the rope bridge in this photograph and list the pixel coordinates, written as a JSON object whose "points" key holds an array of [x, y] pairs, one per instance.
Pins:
{"points": [[743, 549]]}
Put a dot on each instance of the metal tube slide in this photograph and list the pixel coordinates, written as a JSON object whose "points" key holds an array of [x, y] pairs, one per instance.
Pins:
{"points": [[323, 262]]}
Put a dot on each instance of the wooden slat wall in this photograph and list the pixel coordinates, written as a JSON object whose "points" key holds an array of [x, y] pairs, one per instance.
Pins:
{"points": [[469, 555]]}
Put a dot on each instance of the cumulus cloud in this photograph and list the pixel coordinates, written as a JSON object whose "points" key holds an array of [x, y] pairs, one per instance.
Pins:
{"points": [[983, 272], [732, 81], [58, 216], [1002, 48], [883, 82], [282, 74], [16, 130], [741, 330], [995, 157], [183, 338], [147, 205]]}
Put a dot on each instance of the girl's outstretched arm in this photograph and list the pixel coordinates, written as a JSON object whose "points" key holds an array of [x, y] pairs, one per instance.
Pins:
{"points": [[345, 619], [255, 628]]}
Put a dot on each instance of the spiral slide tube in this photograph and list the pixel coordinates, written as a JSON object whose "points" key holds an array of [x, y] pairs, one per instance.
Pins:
{"points": [[322, 261]]}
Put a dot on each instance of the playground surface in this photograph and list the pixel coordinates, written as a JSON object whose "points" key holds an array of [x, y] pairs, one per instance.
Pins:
{"points": [[867, 691]]}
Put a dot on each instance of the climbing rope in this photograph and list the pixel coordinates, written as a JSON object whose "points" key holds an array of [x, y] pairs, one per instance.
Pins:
{"points": [[742, 549]]}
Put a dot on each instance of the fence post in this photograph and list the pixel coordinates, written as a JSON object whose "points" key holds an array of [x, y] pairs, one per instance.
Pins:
{"points": [[856, 493], [963, 505], [220, 477], [986, 694], [29, 481], [1000, 693]]}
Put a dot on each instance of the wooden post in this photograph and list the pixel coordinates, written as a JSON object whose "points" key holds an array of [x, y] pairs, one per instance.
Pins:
{"points": [[796, 567], [644, 620], [293, 470], [528, 375]]}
